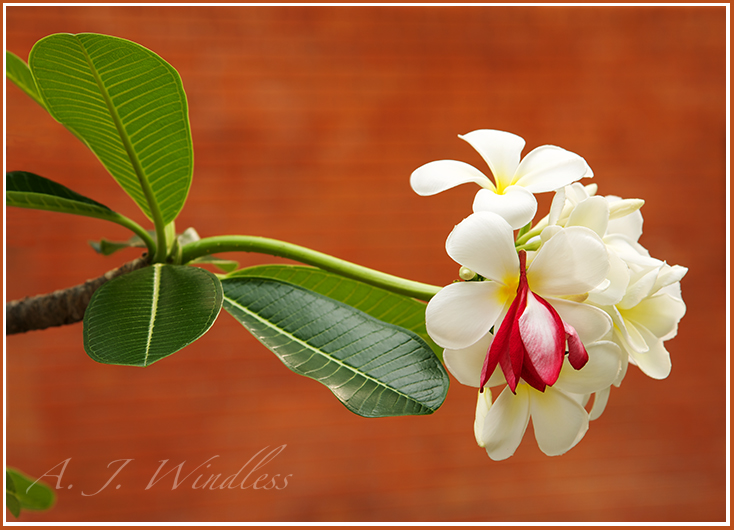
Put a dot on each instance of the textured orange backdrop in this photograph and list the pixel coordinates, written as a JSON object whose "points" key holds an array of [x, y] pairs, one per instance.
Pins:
{"points": [[307, 123]]}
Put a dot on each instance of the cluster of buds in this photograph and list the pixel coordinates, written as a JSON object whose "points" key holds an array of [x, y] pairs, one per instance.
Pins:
{"points": [[550, 315]]}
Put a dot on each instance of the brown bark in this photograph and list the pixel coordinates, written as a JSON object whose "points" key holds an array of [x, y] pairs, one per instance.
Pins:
{"points": [[62, 307]]}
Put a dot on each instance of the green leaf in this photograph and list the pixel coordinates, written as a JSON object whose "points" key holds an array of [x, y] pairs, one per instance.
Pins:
{"points": [[11, 500], [107, 247], [143, 316], [18, 72], [13, 504], [28, 190], [375, 369], [31, 495], [389, 307], [128, 105]]}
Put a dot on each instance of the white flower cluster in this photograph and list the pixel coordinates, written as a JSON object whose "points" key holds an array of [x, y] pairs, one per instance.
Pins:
{"points": [[556, 312]]}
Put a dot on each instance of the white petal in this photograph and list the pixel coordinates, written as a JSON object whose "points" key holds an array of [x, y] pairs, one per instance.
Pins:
{"points": [[466, 364], [659, 314], [655, 362], [630, 225], [633, 339], [619, 208], [576, 192], [592, 213], [547, 168], [484, 403], [483, 242], [501, 150], [557, 205], [573, 261], [462, 313], [625, 363], [505, 423], [548, 232], [559, 421], [619, 279], [441, 175], [515, 205], [639, 288], [630, 251], [591, 323], [668, 278], [605, 360], [600, 403]]}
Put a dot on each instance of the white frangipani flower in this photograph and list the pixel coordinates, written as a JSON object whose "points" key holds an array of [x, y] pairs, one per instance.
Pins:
{"points": [[545, 168], [646, 317], [533, 322]]}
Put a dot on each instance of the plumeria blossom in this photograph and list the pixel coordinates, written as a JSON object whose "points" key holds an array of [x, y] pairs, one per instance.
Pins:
{"points": [[545, 168], [647, 316], [556, 315], [530, 307]]}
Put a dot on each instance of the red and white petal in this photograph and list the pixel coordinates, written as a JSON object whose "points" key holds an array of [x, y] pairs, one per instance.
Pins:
{"points": [[483, 242], [591, 323], [573, 261], [502, 428], [438, 176], [547, 168], [605, 359], [592, 213], [466, 364], [544, 338], [559, 421], [462, 313], [515, 205], [655, 362], [501, 150], [577, 354]]}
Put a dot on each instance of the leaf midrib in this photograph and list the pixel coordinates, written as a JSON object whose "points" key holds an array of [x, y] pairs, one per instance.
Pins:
{"points": [[137, 167], [153, 309]]}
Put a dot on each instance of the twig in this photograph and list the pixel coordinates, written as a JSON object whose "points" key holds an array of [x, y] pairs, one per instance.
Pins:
{"points": [[62, 307]]}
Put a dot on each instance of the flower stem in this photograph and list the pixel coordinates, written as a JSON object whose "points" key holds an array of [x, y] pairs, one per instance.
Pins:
{"points": [[273, 247], [526, 236]]}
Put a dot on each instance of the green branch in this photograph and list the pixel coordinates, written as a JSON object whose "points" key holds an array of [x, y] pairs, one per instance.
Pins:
{"points": [[273, 247]]}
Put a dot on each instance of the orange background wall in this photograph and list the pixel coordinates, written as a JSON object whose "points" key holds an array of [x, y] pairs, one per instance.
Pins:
{"points": [[307, 123]]}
